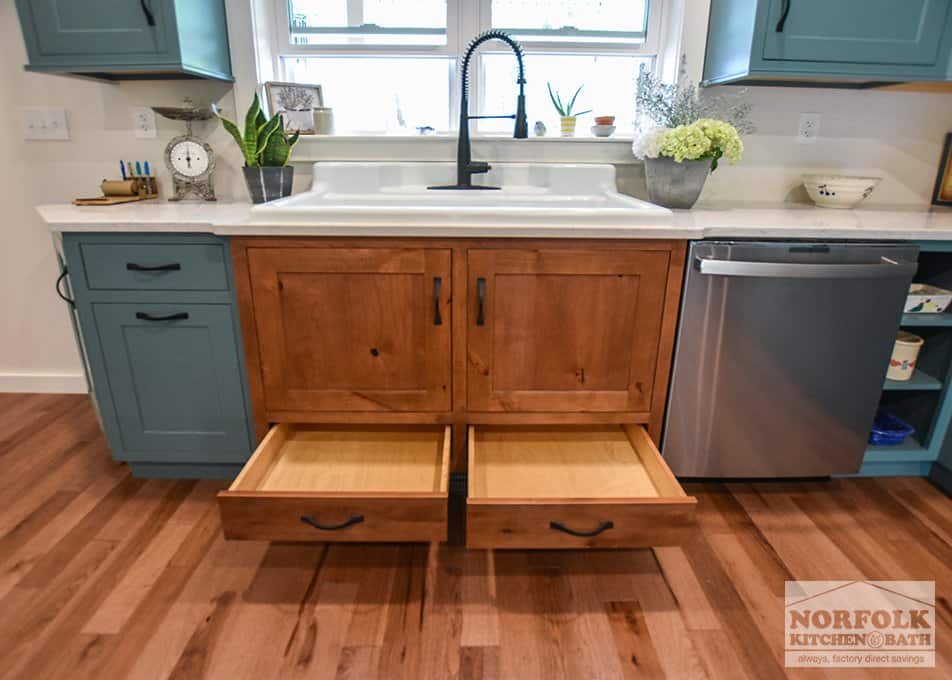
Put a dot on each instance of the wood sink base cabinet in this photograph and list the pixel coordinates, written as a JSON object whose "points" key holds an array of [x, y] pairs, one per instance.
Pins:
{"points": [[538, 368]]}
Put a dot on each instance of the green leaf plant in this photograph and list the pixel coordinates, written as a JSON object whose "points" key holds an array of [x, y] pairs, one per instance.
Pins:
{"points": [[264, 142], [565, 110]]}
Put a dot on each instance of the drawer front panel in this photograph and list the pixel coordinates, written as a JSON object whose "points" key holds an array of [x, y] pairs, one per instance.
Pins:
{"points": [[619, 524], [248, 516], [155, 266]]}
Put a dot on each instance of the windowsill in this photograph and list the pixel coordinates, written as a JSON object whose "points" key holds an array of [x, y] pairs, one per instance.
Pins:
{"points": [[442, 147]]}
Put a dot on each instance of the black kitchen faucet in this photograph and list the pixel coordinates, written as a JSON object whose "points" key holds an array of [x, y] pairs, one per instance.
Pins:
{"points": [[465, 166]]}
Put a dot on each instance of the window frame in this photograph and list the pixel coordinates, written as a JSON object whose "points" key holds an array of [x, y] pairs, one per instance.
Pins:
{"points": [[465, 20]]}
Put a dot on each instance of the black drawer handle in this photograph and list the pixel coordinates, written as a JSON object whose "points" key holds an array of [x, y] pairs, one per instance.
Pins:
{"points": [[133, 267], [356, 519], [481, 295], [59, 289], [604, 526], [437, 285], [181, 316], [147, 10], [784, 11]]}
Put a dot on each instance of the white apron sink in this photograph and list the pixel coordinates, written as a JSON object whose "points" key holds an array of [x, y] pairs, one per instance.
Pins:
{"points": [[552, 194]]}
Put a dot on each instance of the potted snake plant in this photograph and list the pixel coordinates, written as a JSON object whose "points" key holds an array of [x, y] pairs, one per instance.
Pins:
{"points": [[266, 149], [567, 115]]}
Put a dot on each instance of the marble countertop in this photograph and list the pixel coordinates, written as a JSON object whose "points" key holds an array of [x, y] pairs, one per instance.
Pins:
{"points": [[748, 220]]}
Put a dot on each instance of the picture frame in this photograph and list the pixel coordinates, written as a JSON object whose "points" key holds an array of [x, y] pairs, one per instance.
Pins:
{"points": [[296, 102], [942, 192]]}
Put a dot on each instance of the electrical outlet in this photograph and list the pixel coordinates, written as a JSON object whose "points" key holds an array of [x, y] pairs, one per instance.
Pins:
{"points": [[809, 128], [143, 122], [44, 122]]}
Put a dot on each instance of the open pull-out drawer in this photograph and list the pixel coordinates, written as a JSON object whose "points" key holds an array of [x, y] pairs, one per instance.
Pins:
{"points": [[579, 487], [354, 483]]}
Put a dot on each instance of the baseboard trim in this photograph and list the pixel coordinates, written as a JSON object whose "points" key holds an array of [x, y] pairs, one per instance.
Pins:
{"points": [[941, 476], [54, 383]]}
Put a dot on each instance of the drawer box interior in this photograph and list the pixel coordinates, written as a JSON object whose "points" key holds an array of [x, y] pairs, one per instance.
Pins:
{"points": [[591, 486], [350, 483]]}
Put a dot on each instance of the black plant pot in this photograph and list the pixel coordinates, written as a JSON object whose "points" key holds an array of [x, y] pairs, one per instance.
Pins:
{"points": [[269, 183]]}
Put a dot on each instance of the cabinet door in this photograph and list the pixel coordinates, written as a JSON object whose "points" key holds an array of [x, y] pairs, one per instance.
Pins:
{"points": [[856, 31], [353, 329], [564, 330], [175, 383], [100, 28]]}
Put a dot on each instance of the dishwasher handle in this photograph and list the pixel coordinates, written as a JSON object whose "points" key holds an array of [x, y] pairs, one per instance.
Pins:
{"points": [[886, 269]]}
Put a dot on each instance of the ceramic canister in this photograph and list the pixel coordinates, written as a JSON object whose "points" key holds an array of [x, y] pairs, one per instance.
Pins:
{"points": [[904, 356]]}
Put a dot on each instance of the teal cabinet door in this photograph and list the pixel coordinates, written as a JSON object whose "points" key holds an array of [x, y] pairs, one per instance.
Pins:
{"points": [[855, 31], [174, 376], [105, 30]]}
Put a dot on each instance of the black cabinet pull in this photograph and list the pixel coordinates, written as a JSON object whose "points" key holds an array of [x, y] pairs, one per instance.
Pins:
{"points": [[604, 526], [181, 316], [59, 290], [133, 267], [147, 10], [437, 285], [356, 519], [784, 11], [481, 295]]}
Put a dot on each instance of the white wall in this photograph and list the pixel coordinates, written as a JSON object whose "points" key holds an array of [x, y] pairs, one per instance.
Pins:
{"points": [[895, 135]]}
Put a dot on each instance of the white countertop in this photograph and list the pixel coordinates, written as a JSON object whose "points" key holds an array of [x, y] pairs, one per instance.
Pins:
{"points": [[714, 221]]}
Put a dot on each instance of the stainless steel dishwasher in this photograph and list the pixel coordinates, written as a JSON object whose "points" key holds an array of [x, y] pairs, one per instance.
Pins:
{"points": [[781, 355]]}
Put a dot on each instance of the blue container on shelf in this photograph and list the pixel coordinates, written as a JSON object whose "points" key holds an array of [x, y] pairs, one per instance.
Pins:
{"points": [[889, 430]]}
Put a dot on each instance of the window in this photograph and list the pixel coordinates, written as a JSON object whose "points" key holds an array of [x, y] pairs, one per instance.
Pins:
{"points": [[389, 66]]}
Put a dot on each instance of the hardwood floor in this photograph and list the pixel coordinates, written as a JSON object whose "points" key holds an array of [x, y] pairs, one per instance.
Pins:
{"points": [[106, 576]]}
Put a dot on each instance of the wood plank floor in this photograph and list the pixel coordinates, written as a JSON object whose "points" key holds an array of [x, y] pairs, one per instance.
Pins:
{"points": [[105, 576]]}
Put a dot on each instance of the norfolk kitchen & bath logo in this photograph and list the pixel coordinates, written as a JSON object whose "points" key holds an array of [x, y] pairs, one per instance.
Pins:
{"points": [[856, 624]]}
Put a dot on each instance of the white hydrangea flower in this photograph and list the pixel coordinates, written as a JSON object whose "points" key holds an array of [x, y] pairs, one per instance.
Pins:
{"points": [[647, 143]]}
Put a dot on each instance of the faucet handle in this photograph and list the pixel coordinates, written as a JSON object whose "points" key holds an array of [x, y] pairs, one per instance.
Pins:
{"points": [[479, 167]]}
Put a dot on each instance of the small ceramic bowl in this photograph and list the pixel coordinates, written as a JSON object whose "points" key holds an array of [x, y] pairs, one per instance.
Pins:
{"points": [[839, 191], [604, 120], [603, 130]]}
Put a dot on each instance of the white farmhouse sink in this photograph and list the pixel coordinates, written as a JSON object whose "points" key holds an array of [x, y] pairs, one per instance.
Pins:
{"points": [[387, 193]]}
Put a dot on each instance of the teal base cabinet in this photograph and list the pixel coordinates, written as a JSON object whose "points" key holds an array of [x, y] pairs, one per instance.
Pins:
{"points": [[925, 401], [843, 43], [127, 39], [159, 326]]}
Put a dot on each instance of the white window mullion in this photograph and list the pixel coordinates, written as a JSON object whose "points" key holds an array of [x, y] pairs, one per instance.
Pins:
{"points": [[355, 12]]}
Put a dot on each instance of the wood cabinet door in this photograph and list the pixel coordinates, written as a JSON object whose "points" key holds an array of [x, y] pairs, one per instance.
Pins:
{"points": [[564, 330], [353, 329]]}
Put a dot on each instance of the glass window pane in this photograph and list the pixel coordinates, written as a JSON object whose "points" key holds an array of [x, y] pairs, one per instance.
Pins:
{"points": [[368, 22], [622, 16], [609, 89], [386, 94]]}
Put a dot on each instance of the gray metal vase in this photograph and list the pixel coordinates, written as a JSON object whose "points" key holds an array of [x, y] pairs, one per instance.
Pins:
{"points": [[673, 184], [269, 183]]}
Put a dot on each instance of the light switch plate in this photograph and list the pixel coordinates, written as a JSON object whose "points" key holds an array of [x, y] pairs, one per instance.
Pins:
{"points": [[44, 122], [143, 122]]}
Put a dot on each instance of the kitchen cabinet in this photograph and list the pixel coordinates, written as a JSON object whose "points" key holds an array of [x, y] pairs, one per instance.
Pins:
{"points": [[353, 329], [846, 43], [159, 332], [564, 329], [127, 39]]}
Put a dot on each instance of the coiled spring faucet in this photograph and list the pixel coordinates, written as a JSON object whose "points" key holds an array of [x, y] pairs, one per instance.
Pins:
{"points": [[465, 166]]}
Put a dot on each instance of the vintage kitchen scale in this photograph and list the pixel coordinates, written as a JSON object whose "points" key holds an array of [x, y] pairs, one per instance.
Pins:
{"points": [[190, 160]]}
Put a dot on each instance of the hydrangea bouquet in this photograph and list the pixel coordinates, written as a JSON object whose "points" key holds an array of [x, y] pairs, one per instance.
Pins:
{"points": [[682, 135]]}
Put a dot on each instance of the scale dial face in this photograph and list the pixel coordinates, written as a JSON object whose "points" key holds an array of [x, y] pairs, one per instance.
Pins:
{"points": [[189, 158]]}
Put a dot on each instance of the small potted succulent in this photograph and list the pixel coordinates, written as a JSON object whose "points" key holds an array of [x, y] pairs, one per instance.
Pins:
{"points": [[266, 148], [682, 136], [567, 115]]}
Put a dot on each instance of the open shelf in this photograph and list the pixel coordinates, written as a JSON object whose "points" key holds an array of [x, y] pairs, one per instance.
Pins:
{"points": [[910, 450], [944, 319], [919, 381]]}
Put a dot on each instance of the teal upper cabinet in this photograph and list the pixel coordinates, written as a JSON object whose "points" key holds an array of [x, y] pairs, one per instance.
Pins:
{"points": [[845, 43], [127, 39]]}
